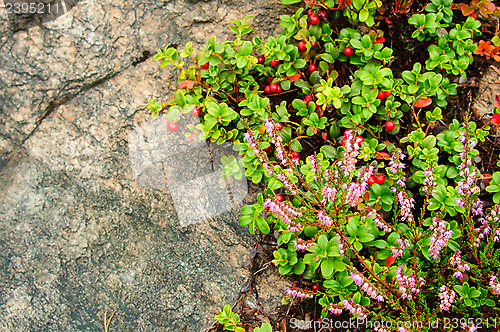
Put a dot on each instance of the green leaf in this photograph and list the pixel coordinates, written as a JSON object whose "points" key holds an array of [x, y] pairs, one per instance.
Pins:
{"points": [[339, 265], [290, 2], [262, 225], [366, 237], [323, 241], [296, 146], [329, 151], [327, 267]]}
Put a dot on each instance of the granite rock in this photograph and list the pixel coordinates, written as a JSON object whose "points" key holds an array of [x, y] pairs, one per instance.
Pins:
{"points": [[82, 232], [489, 88]]}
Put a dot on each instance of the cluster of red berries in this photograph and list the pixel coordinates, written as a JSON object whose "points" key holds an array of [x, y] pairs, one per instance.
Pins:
{"points": [[379, 178], [173, 125], [302, 46], [315, 18], [307, 99], [384, 94], [272, 88]]}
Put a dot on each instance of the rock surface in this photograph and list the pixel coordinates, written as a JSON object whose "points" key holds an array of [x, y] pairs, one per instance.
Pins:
{"points": [[489, 88], [81, 234]]}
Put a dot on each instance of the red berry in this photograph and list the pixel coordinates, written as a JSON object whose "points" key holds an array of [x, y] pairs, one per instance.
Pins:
{"points": [[279, 126], [267, 90], [295, 161], [323, 14], [344, 140], [312, 68], [196, 111], [267, 149], [274, 62], [359, 140], [371, 180], [295, 154], [314, 19], [388, 93], [495, 119], [308, 98], [390, 125], [172, 126], [279, 198], [315, 287], [302, 46], [205, 65], [381, 95], [261, 60], [310, 11], [389, 260], [313, 44], [278, 89], [348, 51], [380, 178], [273, 87]]}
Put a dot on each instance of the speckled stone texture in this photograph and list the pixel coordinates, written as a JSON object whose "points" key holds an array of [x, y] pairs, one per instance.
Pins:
{"points": [[80, 233], [489, 88]]}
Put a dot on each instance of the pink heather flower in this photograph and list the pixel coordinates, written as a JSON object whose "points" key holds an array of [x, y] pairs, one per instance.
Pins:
{"points": [[355, 309], [395, 162], [408, 283], [292, 187], [398, 251], [315, 167], [250, 138], [456, 261], [440, 236], [324, 219], [355, 190], [354, 193], [467, 187], [336, 309], [497, 235], [365, 285], [328, 194], [406, 204], [276, 140], [302, 245], [290, 209], [429, 183], [298, 293], [477, 207], [481, 233], [495, 285], [341, 245], [378, 221], [447, 296], [348, 164], [285, 211], [403, 329]]}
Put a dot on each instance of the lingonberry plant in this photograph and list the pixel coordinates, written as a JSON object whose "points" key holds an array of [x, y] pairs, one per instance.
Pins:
{"points": [[374, 191]]}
